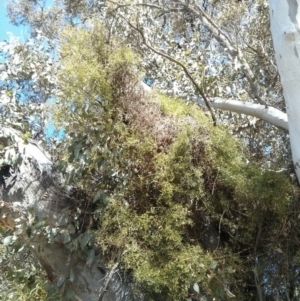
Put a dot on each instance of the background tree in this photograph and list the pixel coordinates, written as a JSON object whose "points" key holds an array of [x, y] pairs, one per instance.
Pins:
{"points": [[223, 56], [234, 71]]}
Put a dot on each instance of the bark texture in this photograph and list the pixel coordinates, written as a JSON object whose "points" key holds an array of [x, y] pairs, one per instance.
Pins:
{"points": [[32, 188]]}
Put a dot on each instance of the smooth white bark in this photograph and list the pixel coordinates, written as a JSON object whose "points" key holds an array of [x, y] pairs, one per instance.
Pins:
{"points": [[269, 114], [285, 28]]}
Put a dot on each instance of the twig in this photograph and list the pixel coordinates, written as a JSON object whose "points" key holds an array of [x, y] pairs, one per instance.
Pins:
{"points": [[103, 288], [220, 223], [258, 286], [135, 4], [222, 38], [213, 189], [197, 87]]}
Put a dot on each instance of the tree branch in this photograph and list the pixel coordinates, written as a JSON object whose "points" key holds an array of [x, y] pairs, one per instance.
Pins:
{"points": [[218, 34], [108, 278], [258, 286], [227, 43], [269, 114], [171, 59]]}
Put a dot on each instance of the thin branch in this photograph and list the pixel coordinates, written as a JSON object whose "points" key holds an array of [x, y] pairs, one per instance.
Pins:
{"points": [[258, 236], [171, 59], [258, 286], [213, 189], [136, 4], [286, 289], [108, 278], [220, 224], [223, 39], [257, 282]]}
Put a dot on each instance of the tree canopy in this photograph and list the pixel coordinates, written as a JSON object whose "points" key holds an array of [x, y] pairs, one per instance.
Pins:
{"points": [[159, 192]]}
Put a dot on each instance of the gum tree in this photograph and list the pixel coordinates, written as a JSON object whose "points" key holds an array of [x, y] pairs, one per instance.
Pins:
{"points": [[285, 24], [213, 53], [217, 54]]}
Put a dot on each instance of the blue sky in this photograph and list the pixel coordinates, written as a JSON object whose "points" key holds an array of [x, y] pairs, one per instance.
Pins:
{"points": [[19, 31], [5, 26]]}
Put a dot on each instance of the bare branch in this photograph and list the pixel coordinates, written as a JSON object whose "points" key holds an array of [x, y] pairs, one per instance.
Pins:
{"points": [[269, 114], [108, 278]]}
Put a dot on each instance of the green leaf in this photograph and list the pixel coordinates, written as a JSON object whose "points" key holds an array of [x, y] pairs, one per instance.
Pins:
{"points": [[62, 220], [60, 281], [70, 174], [70, 294], [230, 270], [66, 237], [72, 275], [84, 239], [8, 240], [196, 288], [71, 228], [100, 195], [213, 264], [91, 257], [77, 149], [71, 158]]}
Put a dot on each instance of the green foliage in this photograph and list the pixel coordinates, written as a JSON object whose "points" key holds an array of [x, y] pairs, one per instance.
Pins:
{"points": [[21, 278], [90, 91], [150, 225], [179, 201]]}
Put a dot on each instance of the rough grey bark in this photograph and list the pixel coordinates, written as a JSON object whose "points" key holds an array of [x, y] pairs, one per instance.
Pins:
{"points": [[33, 188]]}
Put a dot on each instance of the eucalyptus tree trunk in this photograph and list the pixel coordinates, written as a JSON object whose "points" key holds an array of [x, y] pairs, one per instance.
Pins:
{"points": [[285, 27], [33, 199]]}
